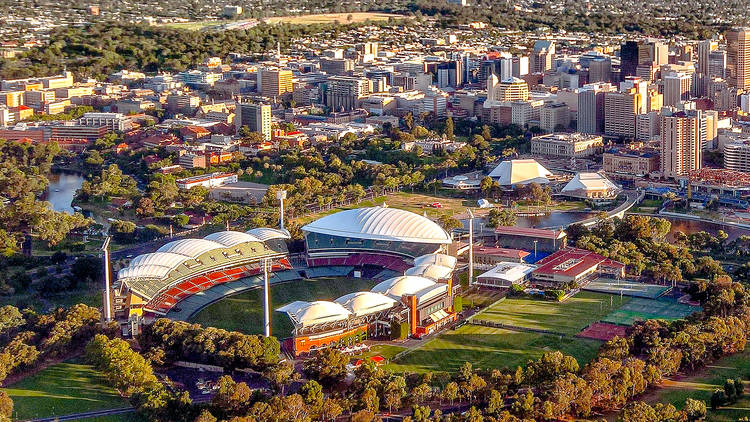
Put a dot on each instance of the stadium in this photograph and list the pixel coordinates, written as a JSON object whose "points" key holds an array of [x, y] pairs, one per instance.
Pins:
{"points": [[154, 283], [403, 250]]}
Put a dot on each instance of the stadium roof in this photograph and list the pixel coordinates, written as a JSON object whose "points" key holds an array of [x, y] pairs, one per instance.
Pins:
{"points": [[520, 172], [265, 233], [365, 303], [589, 182], [305, 314], [431, 271], [380, 223], [436, 258], [191, 248], [397, 287]]}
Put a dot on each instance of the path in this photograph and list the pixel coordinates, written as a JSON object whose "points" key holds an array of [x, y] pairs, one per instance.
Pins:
{"points": [[84, 415]]}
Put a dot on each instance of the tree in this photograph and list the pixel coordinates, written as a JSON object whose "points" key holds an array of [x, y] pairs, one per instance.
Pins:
{"points": [[180, 220], [449, 129], [501, 218], [695, 410], [523, 407], [718, 398], [370, 400], [330, 409], [205, 416], [6, 407], [729, 390], [365, 416], [328, 366], [280, 375], [450, 392], [449, 223], [312, 393]]}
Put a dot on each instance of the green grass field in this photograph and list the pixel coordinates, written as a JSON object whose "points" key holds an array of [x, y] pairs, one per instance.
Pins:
{"points": [[244, 312], [63, 389], [640, 309], [567, 318], [703, 384], [487, 347]]}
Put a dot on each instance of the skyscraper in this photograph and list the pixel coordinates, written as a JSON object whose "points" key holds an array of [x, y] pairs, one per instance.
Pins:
{"points": [[257, 118], [344, 92], [738, 58], [591, 107], [628, 59], [274, 82], [705, 48], [676, 88], [682, 135], [620, 109]]}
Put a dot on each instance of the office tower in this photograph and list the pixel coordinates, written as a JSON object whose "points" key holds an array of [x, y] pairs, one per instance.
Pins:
{"points": [[450, 74], [553, 116], [487, 68], [647, 126], [717, 64], [653, 52], [641, 88], [591, 107], [600, 70], [620, 109], [628, 59], [541, 57], [274, 82], [738, 58], [368, 49], [676, 88], [520, 66], [511, 89], [257, 118], [344, 92], [711, 126], [340, 67], [505, 68], [705, 48], [682, 134]]}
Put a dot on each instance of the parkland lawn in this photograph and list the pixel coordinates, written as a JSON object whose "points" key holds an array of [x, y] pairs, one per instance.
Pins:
{"points": [[63, 389], [701, 385], [487, 347], [244, 312], [568, 317]]}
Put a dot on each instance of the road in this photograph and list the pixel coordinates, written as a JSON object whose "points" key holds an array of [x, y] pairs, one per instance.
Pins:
{"points": [[84, 415]]}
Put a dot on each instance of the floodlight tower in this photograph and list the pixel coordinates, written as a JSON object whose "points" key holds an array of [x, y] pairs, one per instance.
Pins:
{"points": [[266, 298], [471, 246], [281, 196], [106, 306]]}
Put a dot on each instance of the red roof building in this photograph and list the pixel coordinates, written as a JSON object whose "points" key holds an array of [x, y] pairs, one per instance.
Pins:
{"points": [[541, 240], [488, 255], [573, 264]]}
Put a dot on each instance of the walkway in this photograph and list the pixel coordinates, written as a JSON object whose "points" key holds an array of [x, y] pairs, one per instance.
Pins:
{"points": [[633, 198]]}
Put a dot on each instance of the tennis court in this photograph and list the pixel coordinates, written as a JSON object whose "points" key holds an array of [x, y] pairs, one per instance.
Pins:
{"points": [[626, 288], [603, 331], [640, 309]]}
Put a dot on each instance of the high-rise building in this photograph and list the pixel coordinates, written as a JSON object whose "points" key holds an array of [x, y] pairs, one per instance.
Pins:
{"points": [[717, 64], [682, 135], [520, 66], [257, 118], [653, 52], [274, 82], [738, 58], [554, 116], [620, 109], [344, 92], [600, 70], [591, 107], [340, 67], [628, 59], [541, 57], [676, 88], [511, 89], [705, 48]]}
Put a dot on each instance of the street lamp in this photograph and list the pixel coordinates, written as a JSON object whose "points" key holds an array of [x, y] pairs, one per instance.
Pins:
{"points": [[281, 196], [471, 246], [106, 306]]}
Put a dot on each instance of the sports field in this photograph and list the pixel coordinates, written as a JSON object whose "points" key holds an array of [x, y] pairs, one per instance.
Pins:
{"points": [[701, 385], [487, 347], [567, 318], [244, 312], [627, 288], [642, 309], [62, 389]]}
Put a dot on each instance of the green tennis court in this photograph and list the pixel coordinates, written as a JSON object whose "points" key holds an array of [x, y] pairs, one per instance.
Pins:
{"points": [[626, 288], [640, 309]]}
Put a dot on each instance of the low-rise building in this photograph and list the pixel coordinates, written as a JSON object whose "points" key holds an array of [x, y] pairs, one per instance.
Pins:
{"points": [[624, 163], [575, 265], [506, 275], [567, 145], [207, 180]]}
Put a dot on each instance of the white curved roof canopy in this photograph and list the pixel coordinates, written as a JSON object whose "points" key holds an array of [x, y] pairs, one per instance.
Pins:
{"points": [[266, 233], [436, 258], [365, 303], [144, 271], [380, 223], [431, 271], [590, 181], [520, 172], [306, 314], [397, 287], [165, 259], [191, 248], [231, 238]]}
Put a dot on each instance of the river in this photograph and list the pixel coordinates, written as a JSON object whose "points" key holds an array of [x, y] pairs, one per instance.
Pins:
{"points": [[62, 188]]}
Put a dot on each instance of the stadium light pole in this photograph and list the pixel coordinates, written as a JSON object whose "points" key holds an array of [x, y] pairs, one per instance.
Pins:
{"points": [[281, 196], [471, 247], [106, 305], [266, 298]]}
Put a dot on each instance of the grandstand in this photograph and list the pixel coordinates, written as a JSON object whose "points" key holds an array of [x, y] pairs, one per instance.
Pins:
{"points": [[154, 283], [380, 237]]}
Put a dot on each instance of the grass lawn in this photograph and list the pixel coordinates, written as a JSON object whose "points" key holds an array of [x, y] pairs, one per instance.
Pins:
{"points": [[122, 417], [387, 351], [487, 347], [414, 202], [63, 389], [701, 385], [65, 300], [568, 317], [244, 312]]}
